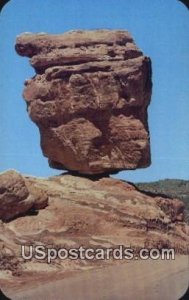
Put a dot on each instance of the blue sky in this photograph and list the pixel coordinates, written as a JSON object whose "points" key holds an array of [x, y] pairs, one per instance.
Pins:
{"points": [[160, 28]]}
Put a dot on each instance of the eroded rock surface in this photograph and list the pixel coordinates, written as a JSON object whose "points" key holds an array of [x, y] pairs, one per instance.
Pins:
{"points": [[15, 197], [89, 99], [104, 213]]}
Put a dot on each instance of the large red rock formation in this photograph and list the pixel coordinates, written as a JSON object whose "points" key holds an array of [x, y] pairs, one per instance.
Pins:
{"points": [[89, 99]]}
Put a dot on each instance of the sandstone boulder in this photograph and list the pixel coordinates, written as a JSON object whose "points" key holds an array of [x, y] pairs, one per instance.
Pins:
{"points": [[89, 99], [15, 198]]}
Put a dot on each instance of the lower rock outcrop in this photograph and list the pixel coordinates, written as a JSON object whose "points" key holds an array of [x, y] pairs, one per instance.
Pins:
{"points": [[101, 213]]}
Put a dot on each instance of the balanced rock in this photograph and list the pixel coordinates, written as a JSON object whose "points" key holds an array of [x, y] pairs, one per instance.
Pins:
{"points": [[15, 197], [89, 99]]}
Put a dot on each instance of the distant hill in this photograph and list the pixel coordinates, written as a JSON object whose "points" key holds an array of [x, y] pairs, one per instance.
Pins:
{"points": [[173, 188]]}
